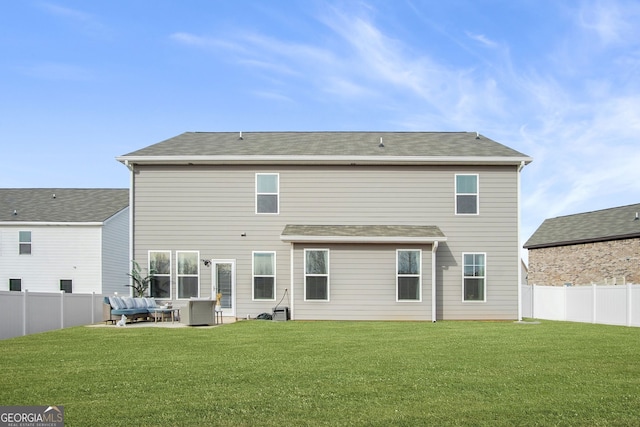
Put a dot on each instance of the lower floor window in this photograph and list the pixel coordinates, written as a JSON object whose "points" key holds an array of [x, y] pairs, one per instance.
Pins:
{"points": [[408, 275], [264, 275], [66, 286], [316, 274], [188, 274], [15, 285], [160, 287], [160, 271], [474, 277]]}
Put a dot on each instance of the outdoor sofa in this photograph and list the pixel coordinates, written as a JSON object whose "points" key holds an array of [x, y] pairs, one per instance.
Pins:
{"points": [[134, 308]]}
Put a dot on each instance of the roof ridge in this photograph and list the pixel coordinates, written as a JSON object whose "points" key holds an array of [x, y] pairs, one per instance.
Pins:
{"points": [[596, 211], [332, 131]]}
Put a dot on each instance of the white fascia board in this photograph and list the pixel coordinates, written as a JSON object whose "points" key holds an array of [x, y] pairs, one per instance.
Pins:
{"points": [[326, 159], [361, 239]]}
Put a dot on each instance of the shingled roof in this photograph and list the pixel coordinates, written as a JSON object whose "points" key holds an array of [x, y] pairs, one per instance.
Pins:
{"points": [[362, 233], [597, 226], [61, 204], [300, 147]]}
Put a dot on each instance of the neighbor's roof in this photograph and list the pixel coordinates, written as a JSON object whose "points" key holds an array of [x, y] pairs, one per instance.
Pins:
{"points": [[608, 224], [326, 147], [61, 205], [362, 233]]}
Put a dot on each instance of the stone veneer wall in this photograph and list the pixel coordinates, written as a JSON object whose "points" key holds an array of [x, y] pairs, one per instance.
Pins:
{"points": [[586, 263]]}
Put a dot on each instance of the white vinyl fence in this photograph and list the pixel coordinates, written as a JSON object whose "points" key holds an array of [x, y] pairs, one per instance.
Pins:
{"points": [[23, 313], [609, 305]]}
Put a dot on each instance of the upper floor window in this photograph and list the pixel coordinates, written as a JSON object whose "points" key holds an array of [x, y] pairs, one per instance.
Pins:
{"points": [[316, 274], [408, 275], [188, 274], [15, 285], [25, 243], [264, 275], [267, 193], [160, 266], [66, 286], [467, 194], [474, 277]]}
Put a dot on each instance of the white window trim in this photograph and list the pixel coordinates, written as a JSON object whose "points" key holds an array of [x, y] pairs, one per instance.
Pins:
{"points": [[178, 275], [398, 275], [277, 194], [60, 285], [161, 275], [484, 296], [253, 275], [30, 242], [455, 192], [328, 275], [14, 278]]}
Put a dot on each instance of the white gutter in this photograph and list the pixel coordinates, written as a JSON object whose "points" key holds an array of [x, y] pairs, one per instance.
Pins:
{"points": [[322, 159], [434, 248], [518, 239]]}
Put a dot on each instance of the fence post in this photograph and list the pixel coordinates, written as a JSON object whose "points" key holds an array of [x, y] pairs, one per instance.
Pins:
{"points": [[24, 312], [564, 302], [629, 304], [93, 307], [533, 297], [61, 309], [594, 302]]}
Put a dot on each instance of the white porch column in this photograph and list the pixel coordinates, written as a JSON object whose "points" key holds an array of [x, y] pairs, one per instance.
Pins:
{"points": [[292, 311], [434, 248]]}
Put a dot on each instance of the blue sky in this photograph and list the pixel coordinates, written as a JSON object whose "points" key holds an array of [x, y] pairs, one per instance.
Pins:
{"points": [[83, 82]]}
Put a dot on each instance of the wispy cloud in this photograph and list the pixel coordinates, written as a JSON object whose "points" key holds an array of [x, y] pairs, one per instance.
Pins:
{"points": [[612, 22], [273, 60], [362, 62], [443, 95], [89, 23], [578, 113], [482, 39]]}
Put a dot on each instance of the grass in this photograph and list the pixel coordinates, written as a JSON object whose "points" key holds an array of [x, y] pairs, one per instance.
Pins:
{"points": [[331, 373]]}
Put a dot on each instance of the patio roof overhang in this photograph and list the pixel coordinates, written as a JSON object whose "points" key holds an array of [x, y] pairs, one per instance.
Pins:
{"points": [[417, 234]]}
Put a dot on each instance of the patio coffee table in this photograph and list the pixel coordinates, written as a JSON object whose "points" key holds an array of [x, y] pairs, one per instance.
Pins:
{"points": [[164, 313]]}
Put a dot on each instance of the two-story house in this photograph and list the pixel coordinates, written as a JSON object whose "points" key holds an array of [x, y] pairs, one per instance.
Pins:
{"points": [[64, 239], [332, 225]]}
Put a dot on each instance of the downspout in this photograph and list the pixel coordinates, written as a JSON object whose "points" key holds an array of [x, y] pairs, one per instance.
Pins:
{"points": [[291, 283], [434, 248], [519, 261], [131, 209]]}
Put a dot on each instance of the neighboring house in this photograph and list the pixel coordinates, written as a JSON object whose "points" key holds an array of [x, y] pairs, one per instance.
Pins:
{"points": [[601, 247], [332, 225], [74, 240]]}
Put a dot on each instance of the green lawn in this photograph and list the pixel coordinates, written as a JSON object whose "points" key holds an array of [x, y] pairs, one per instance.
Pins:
{"points": [[262, 373]]}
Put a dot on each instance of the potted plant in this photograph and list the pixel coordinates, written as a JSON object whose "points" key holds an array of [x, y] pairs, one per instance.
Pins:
{"points": [[139, 283]]}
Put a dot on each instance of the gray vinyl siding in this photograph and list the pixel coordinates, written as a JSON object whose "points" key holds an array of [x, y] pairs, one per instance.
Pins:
{"points": [[208, 208]]}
